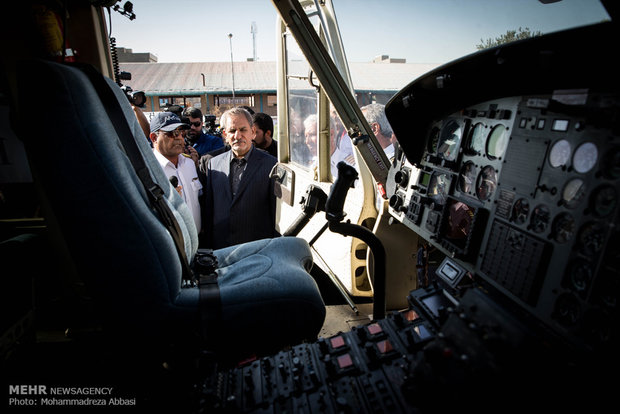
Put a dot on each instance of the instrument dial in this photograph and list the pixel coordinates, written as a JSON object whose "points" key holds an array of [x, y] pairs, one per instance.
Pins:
{"points": [[520, 211], [604, 200], [585, 157], [560, 153], [563, 228], [467, 177], [579, 276], [573, 192], [449, 140], [486, 184], [497, 142], [477, 139], [438, 188], [460, 218], [591, 238], [540, 218], [567, 309]]}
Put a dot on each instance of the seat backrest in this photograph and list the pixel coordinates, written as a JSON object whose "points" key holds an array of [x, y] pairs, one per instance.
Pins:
{"points": [[115, 238]]}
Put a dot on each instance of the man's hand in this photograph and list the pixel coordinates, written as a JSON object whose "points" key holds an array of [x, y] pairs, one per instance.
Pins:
{"points": [[191, 151]]}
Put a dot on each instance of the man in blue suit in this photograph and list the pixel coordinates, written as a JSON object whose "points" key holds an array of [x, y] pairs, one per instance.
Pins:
{"points": [[199, 139], [240, 204]]}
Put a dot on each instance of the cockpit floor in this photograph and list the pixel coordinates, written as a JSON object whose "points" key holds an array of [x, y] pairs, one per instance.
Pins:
{"points": [[341, 318]]}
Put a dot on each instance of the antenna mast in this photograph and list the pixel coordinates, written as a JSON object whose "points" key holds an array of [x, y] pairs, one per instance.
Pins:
{"points": [[254, 30]]}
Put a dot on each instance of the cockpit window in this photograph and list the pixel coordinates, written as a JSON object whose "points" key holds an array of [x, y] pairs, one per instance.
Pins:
{"points": [[302, 106], [439, 31]]}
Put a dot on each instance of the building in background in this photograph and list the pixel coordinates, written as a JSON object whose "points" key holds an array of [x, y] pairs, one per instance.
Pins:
{"points": [[209, 85]]}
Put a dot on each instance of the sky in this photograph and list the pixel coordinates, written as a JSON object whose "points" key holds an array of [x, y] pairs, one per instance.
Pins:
{"points": [[421, 31]]}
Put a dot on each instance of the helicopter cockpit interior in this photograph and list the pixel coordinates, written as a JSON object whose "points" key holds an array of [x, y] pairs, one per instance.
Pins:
{"points": [[507, 166]]}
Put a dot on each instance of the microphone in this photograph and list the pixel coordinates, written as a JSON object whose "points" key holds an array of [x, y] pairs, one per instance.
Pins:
{"points": [[174, 181]]}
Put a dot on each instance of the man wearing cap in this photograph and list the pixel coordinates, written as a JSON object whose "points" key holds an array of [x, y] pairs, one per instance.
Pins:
{"points": [[168, 136]]}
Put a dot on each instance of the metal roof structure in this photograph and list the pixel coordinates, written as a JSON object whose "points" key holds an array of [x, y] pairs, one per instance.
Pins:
{"points": [[162, 79]]}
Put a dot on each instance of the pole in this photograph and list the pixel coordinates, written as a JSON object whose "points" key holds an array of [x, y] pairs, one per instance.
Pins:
{"points": [[232, 68]]}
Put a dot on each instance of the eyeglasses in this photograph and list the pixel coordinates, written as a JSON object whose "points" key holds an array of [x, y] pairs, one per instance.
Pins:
{"points": [[174, 134], [195, 124]]}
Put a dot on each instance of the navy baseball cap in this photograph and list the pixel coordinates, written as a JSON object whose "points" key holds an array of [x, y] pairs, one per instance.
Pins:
{"points": [[166, 121]]}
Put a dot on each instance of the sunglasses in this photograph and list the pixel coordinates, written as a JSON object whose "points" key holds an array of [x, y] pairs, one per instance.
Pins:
{"points": [[196, 123], [176, 133]]}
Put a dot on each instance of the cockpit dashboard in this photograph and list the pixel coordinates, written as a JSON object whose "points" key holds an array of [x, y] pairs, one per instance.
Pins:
{"points": [[519, 190]]}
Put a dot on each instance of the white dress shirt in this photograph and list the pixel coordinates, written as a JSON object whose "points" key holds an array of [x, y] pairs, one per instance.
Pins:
{"points": [[343, 152], [188, 178], [389, 151]]}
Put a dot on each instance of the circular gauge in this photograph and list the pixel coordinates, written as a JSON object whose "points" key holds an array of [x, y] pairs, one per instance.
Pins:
{"points": [[497, 142], [540, 218], [486, 183], [567, 309], [585, 157], [438, 188], [563, 228], [604, 200], [611, 165], [433, 140], [477, 139], [520, 211], [467, 177], [560, 153], [449, 140], [591, 238], [573, 192], [460, 219], [579, 276]]}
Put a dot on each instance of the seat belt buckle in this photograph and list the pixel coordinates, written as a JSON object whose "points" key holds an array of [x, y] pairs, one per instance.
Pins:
{"points": [[205, 263]]}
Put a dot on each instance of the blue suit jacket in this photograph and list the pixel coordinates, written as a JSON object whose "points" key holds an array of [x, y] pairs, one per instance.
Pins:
{"points": [[207, 143], [251, 214]]}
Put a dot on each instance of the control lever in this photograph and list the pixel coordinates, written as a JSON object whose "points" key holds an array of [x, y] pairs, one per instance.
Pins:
{"points": [[335, 202], [334, 214], [311, 202]]}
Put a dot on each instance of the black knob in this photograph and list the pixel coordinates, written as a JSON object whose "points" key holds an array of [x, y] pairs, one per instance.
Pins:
{"points": [[402, 178], [396, 202]]}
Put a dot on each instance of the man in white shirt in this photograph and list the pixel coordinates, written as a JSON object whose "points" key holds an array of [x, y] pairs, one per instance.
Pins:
{"points": [[342, 150], [375, 115], [168, 136]]}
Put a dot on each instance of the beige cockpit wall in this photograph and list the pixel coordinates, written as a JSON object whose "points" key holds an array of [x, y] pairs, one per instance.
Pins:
{"points": [[304, 84]]}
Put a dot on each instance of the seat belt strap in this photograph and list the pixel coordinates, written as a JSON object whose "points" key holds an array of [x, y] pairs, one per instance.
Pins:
{"points": [[153, 190], [205, 265]]}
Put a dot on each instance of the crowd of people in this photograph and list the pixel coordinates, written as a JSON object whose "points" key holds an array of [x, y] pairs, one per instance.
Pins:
{"points": [[225, 181]]}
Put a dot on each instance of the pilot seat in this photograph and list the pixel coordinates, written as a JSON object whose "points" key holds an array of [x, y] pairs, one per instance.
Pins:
{"points": [[124, 252]]}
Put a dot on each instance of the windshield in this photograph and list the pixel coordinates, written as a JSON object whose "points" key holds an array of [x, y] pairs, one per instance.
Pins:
{"points": [[438, 31], [409, 38]]}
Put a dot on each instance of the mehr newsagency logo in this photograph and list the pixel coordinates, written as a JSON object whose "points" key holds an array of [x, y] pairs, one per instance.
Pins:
{"points": [[43, 395]]}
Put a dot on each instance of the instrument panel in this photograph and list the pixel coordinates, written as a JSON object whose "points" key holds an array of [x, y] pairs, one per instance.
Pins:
{"points": [[522, 193]]}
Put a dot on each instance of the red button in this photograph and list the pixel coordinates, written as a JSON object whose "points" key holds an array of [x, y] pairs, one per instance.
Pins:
{"points": [[374, 329], [384, 347], [345, 361], [337, 342], [412, 315]]}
